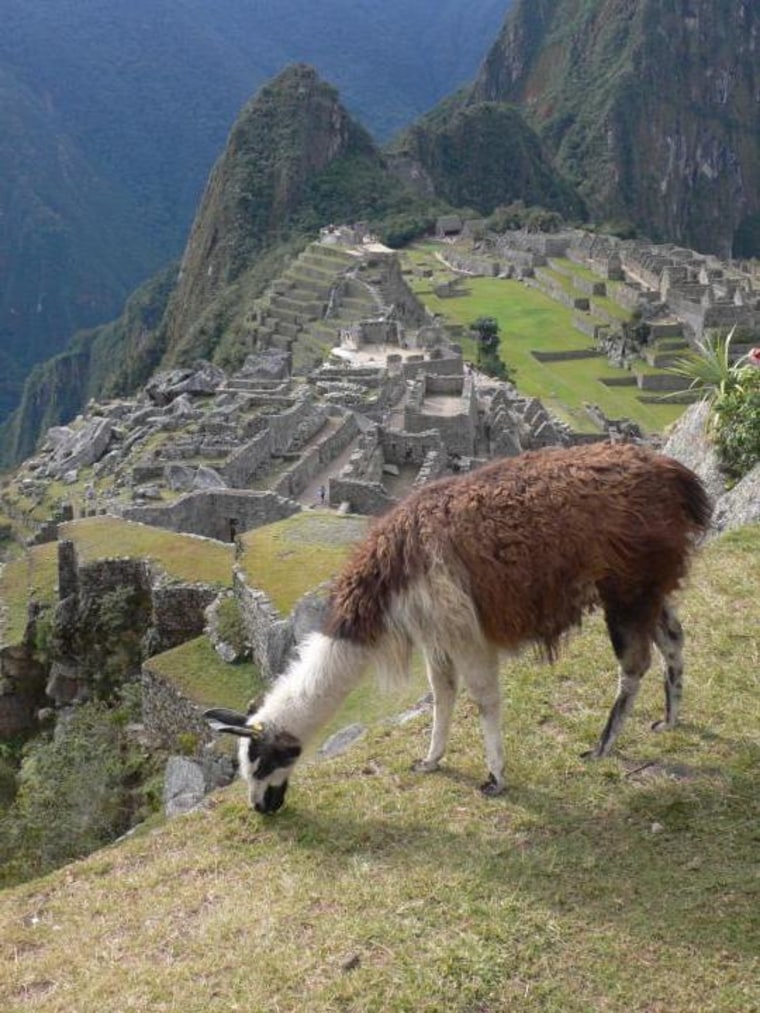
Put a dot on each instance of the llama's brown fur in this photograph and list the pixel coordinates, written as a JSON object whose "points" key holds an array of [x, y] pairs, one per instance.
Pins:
{"points": [[535, 540]]}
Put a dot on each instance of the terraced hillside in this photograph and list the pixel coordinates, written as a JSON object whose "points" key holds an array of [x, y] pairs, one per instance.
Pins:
{"points": [[548, 325], [321, 292]]}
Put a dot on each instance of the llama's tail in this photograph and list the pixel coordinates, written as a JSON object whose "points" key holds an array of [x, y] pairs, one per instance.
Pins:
{"points": [[696, 503]]}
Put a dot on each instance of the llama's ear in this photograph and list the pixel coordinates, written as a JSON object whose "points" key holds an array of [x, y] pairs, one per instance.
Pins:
{"points": [[233, 722]]}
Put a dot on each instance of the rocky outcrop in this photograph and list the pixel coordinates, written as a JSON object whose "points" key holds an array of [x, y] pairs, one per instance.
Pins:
{"points": [[689, 443]]}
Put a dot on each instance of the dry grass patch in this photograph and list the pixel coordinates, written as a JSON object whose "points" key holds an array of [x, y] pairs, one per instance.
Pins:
{"points": [[184, 557], [584, 887], [293, 556], [33, 575]]}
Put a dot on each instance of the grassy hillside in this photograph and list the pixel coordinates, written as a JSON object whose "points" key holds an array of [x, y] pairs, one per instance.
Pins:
{"points": [[293, 556], [631, 884], [531, 321]]}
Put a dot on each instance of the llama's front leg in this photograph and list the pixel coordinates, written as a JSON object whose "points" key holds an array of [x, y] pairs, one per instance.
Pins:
{"points": [[443, 682], [634, 651], [669, 640], [483, 683]]}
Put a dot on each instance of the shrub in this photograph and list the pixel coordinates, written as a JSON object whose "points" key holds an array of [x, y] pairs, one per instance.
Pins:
{"points": [[230, 628], [733, 392], [76, 792], [486, 333]]}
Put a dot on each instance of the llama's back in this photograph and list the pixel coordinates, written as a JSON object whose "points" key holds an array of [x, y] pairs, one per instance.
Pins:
{"points": [[529, 540]]}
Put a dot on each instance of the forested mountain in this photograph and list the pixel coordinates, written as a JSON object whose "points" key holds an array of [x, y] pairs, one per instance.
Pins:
{"points": [[650, 108], [294, 160], [59, 268], [640, 116], [111, 115], [480, 155]]}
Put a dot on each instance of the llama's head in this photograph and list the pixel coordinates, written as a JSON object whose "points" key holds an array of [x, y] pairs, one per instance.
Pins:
{"points": [[266, 754]]}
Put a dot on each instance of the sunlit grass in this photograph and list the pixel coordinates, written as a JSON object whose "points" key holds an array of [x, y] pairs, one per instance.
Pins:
{"points": [[33, 575], [199, 673], [627, 885], [185, 557], [531, 321], [293, 556]]}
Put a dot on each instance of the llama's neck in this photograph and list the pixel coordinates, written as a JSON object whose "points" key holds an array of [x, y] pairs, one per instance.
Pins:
{"points": [[314, 686]]}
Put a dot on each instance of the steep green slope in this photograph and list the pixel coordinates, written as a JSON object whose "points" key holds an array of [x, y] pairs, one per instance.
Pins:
{"points": [[295, 160], [482, 155], [625, 885], [60, 270], [649, 108], [106, 361]]}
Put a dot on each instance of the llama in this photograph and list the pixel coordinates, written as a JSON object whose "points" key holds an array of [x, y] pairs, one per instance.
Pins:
{"points": [[509, 555]]}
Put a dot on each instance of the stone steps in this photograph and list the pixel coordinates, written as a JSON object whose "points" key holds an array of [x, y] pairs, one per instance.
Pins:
{"points": [[666, 329], [661, 381], [298, 302], [661, 359], [359, 306]]}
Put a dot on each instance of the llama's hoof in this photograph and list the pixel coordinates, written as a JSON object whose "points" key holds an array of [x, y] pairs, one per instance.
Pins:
{"points": [[591, 754], [492, 787], [661, 726], [424, 766]]}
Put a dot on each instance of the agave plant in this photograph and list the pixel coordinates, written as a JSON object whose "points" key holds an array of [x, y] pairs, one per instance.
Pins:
{"points": [[732, 390], [709, 368]]}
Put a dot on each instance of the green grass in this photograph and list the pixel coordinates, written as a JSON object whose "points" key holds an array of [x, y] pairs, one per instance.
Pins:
{"points": [[35, 574], [184, 557], [200, 674], [627, 885], [530, 320], [291, 557]]}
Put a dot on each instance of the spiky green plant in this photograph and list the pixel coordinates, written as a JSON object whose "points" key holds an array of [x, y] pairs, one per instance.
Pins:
{"points": [[732, 390]]}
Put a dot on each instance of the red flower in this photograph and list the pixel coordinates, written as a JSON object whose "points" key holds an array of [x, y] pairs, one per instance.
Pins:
{"points": [[753, 356]]}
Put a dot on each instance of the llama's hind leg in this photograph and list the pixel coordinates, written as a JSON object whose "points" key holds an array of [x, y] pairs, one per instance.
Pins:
{"points": [[443, 682], [668, 637], [632, 646], [480, 669]]}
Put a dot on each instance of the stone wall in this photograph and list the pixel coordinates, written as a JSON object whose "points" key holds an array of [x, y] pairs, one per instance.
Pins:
{"points": [[457, 430], [296, 479], [448, 365], [102, 576], [364, 497], [178, 613], [168, 715], [402, 448], [253, 458], [270, 636], [211, 514]]}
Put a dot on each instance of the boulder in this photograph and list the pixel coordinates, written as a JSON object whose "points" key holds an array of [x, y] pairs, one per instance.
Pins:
{"points": [[203, 378], [208, 478], [309, 613], [688, 443], [84, 446], [271, 364], [184, 786], [179, 477], [341, 741], [741, 505]]}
